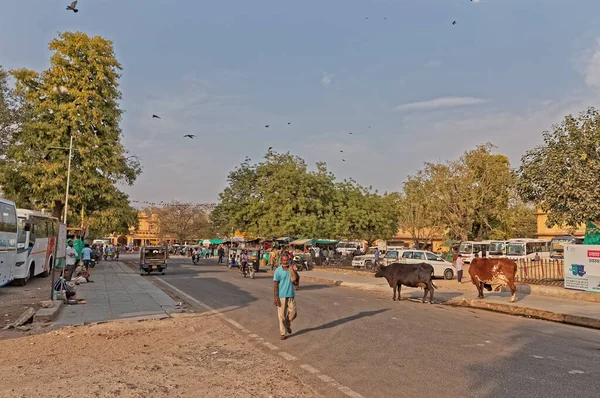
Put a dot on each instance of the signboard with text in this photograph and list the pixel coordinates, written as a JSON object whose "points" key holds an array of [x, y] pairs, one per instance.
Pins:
{"points": [[61, 241], [582, 267]]}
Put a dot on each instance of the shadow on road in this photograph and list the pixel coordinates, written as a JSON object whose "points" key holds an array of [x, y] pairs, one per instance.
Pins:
{"points": [[312, 287], [342, 321]]}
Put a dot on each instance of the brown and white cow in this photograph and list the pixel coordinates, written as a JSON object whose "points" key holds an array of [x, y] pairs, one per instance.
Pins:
{"points": [[493, 274]]}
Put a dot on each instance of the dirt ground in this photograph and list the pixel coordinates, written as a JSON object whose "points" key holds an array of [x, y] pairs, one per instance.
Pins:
{"points": [[14, 300], [190, 355]]}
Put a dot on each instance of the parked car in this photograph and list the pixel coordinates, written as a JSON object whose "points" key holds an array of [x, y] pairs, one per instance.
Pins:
{"points": [[347, 248], [366, 260], [392, 256], [441, 268]]}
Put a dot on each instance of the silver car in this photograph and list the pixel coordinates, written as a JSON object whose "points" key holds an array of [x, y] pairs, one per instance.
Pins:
{"points": [[441, 268]]}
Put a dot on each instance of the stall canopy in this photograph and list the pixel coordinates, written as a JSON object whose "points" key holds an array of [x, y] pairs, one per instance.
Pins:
{"points": [[216, 241], [592, 233], [310, 242]]}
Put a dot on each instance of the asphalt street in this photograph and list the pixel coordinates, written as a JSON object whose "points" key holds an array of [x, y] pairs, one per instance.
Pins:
{"points": [[381, 348]]}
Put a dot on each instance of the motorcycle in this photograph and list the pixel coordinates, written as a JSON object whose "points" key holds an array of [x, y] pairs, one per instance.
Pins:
{"points": [[195, 258], [93, 260], [247, 269], [301, 263]]}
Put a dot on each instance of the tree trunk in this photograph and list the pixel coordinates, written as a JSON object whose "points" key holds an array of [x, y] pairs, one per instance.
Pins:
{"points": [[57, 209]]}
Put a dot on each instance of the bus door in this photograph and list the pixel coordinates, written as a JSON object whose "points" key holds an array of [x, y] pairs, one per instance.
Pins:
{"points": [[8, 242]]}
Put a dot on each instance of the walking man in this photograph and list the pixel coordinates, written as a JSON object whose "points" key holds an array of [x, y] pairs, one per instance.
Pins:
{"points": [[460, 264], [86, 253], [283, 289], [221, 252]]}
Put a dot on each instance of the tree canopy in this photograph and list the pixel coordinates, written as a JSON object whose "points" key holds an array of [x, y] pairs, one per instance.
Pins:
{"points": [[468, 197], [562, 175], [282, 196], [77, 95], [183, 220]]}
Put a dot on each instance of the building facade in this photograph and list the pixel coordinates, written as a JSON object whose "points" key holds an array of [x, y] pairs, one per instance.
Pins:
{"points": [[147, 232], [544, 232]]}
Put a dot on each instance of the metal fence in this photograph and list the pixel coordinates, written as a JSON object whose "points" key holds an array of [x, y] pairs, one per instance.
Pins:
{"points": [[544, 272]]}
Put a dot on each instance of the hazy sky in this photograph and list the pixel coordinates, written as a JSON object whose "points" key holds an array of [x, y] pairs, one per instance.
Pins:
{"points": [[412, 88]]}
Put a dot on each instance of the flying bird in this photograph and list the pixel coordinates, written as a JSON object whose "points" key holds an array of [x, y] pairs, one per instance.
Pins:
{"points": [[192, 136], [270, 148], [341, 151], [267, 126], [453, 22], [343, 160], [350, 133], [289, 123], [155, 117], [73, 6]]}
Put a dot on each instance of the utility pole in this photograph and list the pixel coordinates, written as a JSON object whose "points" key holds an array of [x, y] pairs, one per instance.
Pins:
{"points": [[68, 181]]}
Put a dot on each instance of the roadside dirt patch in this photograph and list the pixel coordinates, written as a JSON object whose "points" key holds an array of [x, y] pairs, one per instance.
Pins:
{"points": [[16, 299], [190, 355]]}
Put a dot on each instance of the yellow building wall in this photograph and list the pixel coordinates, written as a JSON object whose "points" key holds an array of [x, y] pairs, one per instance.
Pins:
{"points": [[543, 232], [147, 232], [404, 235]]}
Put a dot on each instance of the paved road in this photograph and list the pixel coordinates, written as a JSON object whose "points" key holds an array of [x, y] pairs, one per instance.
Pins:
{"points": [[381, 348]]}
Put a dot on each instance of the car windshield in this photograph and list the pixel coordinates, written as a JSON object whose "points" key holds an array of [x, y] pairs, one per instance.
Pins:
{"points": [[497, 247], [371, 250], [466, 248], [391, 254], [154, 254], [516, 249]]}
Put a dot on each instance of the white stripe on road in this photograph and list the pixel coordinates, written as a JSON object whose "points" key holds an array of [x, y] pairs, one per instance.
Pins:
{"points": [[270, 346], [346, 390], [349, 392], [309, 369], [287, 356], [326, 378]]}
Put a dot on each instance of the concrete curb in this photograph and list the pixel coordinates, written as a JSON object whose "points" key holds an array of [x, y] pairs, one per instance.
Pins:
{"points": [[48, 314], [509, 309], [528, 312]]}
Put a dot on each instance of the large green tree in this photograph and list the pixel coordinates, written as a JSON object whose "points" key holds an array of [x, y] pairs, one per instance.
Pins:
{"points": [[418, 210], [469, 197], [78, 95], [282, 196], [562, 175], [184, 221]]}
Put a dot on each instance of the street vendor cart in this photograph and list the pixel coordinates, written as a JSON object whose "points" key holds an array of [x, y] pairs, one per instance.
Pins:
{"points": [[153, 259]]}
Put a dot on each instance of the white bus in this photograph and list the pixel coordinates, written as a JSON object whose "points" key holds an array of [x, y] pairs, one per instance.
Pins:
{"points": [[8, 241], [498, 248], [468, 249], [36, 245], [523, 249]]}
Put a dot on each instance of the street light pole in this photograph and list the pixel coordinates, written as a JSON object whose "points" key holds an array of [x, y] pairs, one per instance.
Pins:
{"points": [[68, 181]]}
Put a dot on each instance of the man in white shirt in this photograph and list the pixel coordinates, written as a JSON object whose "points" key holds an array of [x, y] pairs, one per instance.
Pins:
{"points": [[71, 258], [460, 264]]}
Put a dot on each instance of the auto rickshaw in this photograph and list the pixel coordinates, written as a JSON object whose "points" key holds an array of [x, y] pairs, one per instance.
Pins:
{"points": [[153, 259]]}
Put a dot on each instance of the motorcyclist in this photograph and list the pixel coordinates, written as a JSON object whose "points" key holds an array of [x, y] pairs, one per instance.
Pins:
{"points": [[244, 261]]}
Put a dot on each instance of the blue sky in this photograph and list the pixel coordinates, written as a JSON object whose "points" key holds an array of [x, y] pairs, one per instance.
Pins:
{"points": [[428, 90]]}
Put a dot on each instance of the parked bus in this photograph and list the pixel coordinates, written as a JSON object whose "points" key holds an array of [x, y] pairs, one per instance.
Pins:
{"points": [[557, 245], [8, 240], [36, 245], [498, 248], [523, 249], [469, 248]]}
